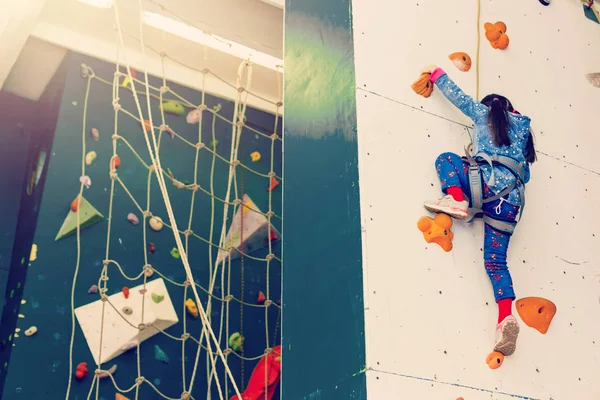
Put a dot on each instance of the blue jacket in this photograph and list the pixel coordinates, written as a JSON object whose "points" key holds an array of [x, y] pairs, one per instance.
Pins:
{"points": [[482, 138]]}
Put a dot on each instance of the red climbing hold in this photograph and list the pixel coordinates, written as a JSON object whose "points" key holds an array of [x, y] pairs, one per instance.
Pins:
{"points": [[273, 236], [267, 371], [125, 291], [115, 162], [151, 247], [81, 371], [261, 298], [273, 185]]}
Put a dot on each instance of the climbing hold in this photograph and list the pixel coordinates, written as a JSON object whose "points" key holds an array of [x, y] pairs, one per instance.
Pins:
{"points": [[81, 371], [157, 298], [261, 298], [160, 355], [536, 312], [90, 157], [213, 144], [545, 2], [590, 11], [194, 116], [147, 125], [423, 86], [594, 79], [273, 236], [175, 253], [173, 107], [191, 308], [115, 162], [127, 310], [494, 360], [127, 81], [255, 156], [461, 60], [437, 230], [105, 374], [86, 180], [93, 289], [273, 184], [143, 291], [131, 217], [125, 291], [156, 223], [75, 204], [32, 330], [247, 206], [33, 254], [151, 247], [236, 341], [265, 377], [95, 134], [88, 215], [496, 34], [119, 396]]}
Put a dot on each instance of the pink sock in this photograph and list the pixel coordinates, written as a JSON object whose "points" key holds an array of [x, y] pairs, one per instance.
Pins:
{"points": [[504, 309], [456, 193]]}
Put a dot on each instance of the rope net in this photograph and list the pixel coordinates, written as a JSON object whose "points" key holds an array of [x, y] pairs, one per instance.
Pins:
{"points": [[213, 295]]}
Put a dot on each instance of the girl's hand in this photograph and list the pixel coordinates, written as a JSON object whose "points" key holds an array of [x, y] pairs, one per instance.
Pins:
{"points": [[428, 69]]}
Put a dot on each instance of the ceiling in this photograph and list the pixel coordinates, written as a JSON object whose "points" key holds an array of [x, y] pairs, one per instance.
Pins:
{"points": [[44, 29]]}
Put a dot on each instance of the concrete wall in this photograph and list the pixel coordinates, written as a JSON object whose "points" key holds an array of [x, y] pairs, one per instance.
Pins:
{"points": [[430, 315]]}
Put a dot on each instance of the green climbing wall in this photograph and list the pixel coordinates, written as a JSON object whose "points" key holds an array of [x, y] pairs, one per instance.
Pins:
{"points": [[48, 288]]}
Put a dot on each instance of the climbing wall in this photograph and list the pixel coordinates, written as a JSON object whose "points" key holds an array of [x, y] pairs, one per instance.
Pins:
{"points": [[430, 314]]}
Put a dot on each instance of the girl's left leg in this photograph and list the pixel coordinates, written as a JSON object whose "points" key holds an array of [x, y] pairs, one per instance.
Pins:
{"points": [[495, 252]]}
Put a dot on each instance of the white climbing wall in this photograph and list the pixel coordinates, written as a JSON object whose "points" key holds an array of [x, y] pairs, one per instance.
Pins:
{"points": [[430, 315]]}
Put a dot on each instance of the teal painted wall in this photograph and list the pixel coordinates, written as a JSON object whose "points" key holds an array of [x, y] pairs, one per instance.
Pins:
{"points": [[43, 358], [323, 318]]}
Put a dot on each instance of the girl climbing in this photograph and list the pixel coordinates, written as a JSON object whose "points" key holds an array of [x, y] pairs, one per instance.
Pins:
{"points": [[491, 182]]}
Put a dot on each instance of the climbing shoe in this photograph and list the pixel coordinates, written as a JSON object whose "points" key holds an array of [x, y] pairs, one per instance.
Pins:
{"points": [[447, 205], [507, 332]]}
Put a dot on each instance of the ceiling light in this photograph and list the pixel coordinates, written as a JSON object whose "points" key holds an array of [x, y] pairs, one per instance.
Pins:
{"points": [[194, 34], [98, 3]]}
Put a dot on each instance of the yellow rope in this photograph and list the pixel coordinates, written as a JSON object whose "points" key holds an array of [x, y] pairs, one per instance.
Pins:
{"points": [[478, 48]]}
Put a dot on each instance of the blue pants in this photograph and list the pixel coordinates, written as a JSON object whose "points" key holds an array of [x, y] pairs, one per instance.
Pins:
{"points": [[453, 171]]}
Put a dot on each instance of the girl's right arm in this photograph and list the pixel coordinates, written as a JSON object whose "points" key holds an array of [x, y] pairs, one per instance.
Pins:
{"points": [[455, 94]]}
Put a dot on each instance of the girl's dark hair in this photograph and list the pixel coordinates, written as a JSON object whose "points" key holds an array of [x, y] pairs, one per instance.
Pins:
{"points": [[499, 122]]}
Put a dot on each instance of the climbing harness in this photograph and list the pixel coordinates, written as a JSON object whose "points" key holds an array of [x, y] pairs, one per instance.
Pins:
{"points": [[475, 211]]}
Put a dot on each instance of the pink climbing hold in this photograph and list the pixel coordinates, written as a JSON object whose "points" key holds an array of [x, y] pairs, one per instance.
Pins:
{"points": [[93, 289], [131, 217]]}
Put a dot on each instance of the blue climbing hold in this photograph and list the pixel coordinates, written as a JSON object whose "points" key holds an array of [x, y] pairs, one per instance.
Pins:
{"points": [[160, 355]]}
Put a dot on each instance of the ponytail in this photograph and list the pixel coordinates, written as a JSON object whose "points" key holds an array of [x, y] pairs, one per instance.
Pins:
{"points": [[530, 155], [499, 122]]}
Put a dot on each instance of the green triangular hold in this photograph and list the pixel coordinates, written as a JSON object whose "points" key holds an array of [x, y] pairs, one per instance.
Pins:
{"points": [[88, 215]]}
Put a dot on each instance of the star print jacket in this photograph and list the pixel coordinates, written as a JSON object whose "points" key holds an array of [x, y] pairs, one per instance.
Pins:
{"points": [[482, 137]]}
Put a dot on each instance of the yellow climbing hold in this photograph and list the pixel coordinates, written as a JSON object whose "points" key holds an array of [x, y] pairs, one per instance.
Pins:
{"points": [[255, 156], [33, 255], [248, 204], [90, 157], [191, 308]]}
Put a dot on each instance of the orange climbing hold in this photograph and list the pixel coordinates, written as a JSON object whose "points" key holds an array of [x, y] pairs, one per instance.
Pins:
{"points": [[147, 125], [496, 34], [437, 230], [119, 396], [536, 312], [461, 60], [495, 360], [423, 85], [75, 204]]}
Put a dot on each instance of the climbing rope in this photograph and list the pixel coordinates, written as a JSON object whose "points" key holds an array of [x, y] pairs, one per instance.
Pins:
{"points": [[478, 49], [155, 168]]}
